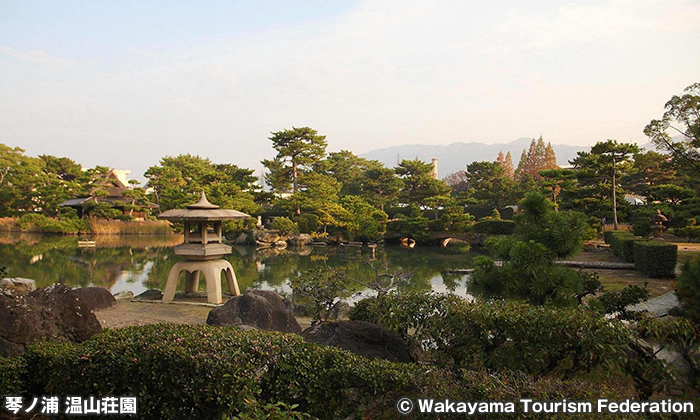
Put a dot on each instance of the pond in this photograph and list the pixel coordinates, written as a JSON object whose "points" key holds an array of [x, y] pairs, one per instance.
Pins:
{"points": [[140, 262]]}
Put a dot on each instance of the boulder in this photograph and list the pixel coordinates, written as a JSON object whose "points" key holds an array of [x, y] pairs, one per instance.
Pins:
{"points": [[280, 244], [267, 236], [362, 338], [96, 298], [124, 295], [19, 285], [56, 312], [303, 239], [152, 294], [263, 309]]}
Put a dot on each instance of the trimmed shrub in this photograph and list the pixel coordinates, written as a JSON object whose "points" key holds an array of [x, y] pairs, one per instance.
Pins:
{"points": [[190, 371], [615, 241], [627, 248], [495, 227], [655, 258], [607, 235]]}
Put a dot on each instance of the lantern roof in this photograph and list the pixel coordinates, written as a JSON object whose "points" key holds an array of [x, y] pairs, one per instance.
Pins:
{"points": [[202, 210]]}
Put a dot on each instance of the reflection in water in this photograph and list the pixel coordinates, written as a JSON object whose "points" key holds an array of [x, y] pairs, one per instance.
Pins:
{"points": [[141, 262]]}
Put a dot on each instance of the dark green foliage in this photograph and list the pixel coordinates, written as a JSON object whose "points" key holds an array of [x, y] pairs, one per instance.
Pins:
{"points": [[688, 290], [607, 235], [617, 302], [307, 222], [495, 227], [285, 226], [627, 249], [254, 410], [561, 232], [615, 241], [494, 334], [414, 226], [200, 371], [641, 225], [527, 270], [35, 221], [690, 232], [323, 286], [189, 371], [12, 374], [528, 274], [655, 258]]}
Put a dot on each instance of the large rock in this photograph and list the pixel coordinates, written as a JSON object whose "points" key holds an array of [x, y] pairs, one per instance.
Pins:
{"points": [[96, 298], [124, 295], [151, 294], [264, 309], [56, 312], [19, 285], [362, 338], [303, 239]]}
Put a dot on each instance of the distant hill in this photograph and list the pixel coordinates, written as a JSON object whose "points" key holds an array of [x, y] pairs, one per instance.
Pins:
{"points": [[455, 157]]}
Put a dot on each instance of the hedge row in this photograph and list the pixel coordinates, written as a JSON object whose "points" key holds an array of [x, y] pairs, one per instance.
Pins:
{"points": [[651, 258], [495, 227], [615, 238], [655, 258], [200, 371]]}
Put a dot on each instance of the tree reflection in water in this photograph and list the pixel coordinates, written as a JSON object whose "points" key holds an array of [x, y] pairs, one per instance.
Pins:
{"points": [[140, 262]]}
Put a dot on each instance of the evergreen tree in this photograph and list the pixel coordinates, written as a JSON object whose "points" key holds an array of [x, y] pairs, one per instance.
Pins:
{"points": [[381, 187], [550, 159], [418, 182], [297, 149], [522, 165], [602, 168], [508, 166]]}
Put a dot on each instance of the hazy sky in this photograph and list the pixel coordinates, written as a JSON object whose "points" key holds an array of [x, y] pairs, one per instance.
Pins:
{"points": [[124, 83]]}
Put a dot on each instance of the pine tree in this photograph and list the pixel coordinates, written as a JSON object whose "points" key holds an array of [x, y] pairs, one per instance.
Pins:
{"points": [[550, 159], [520, 171], [500, 159], [531, 161], [540, 152]]}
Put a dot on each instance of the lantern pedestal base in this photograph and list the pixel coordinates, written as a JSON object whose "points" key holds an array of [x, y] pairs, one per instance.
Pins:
{"points": [[212, 274]]}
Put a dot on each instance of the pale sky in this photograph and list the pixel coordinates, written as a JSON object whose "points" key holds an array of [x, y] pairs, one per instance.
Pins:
{"points": [[124, 83]]}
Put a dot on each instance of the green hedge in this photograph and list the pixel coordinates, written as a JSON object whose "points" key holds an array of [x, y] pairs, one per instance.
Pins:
{"points": [[188, 371], [200, 371], [615, 241], [627, 248], [655, 258], [495, 227]]}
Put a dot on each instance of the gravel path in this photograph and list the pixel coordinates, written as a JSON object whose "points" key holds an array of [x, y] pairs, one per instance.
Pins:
{"points": [[659, 305]]}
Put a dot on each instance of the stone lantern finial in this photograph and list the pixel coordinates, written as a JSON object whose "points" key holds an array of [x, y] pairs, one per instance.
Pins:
{"points": [[203, 203]]}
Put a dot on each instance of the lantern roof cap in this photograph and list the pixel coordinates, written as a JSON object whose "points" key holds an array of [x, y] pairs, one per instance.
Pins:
{"points": [[203, 203], [202, 210]]}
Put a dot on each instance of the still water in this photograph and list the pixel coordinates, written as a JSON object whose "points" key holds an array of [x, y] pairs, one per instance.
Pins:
{"points": [[140, 262]]}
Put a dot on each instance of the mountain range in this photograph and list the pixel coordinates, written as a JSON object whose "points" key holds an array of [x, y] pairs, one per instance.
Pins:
{"points": [[455, 157]]}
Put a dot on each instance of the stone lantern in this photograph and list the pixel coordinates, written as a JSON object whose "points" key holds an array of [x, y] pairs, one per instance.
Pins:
{"points": [[202, 249]]}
